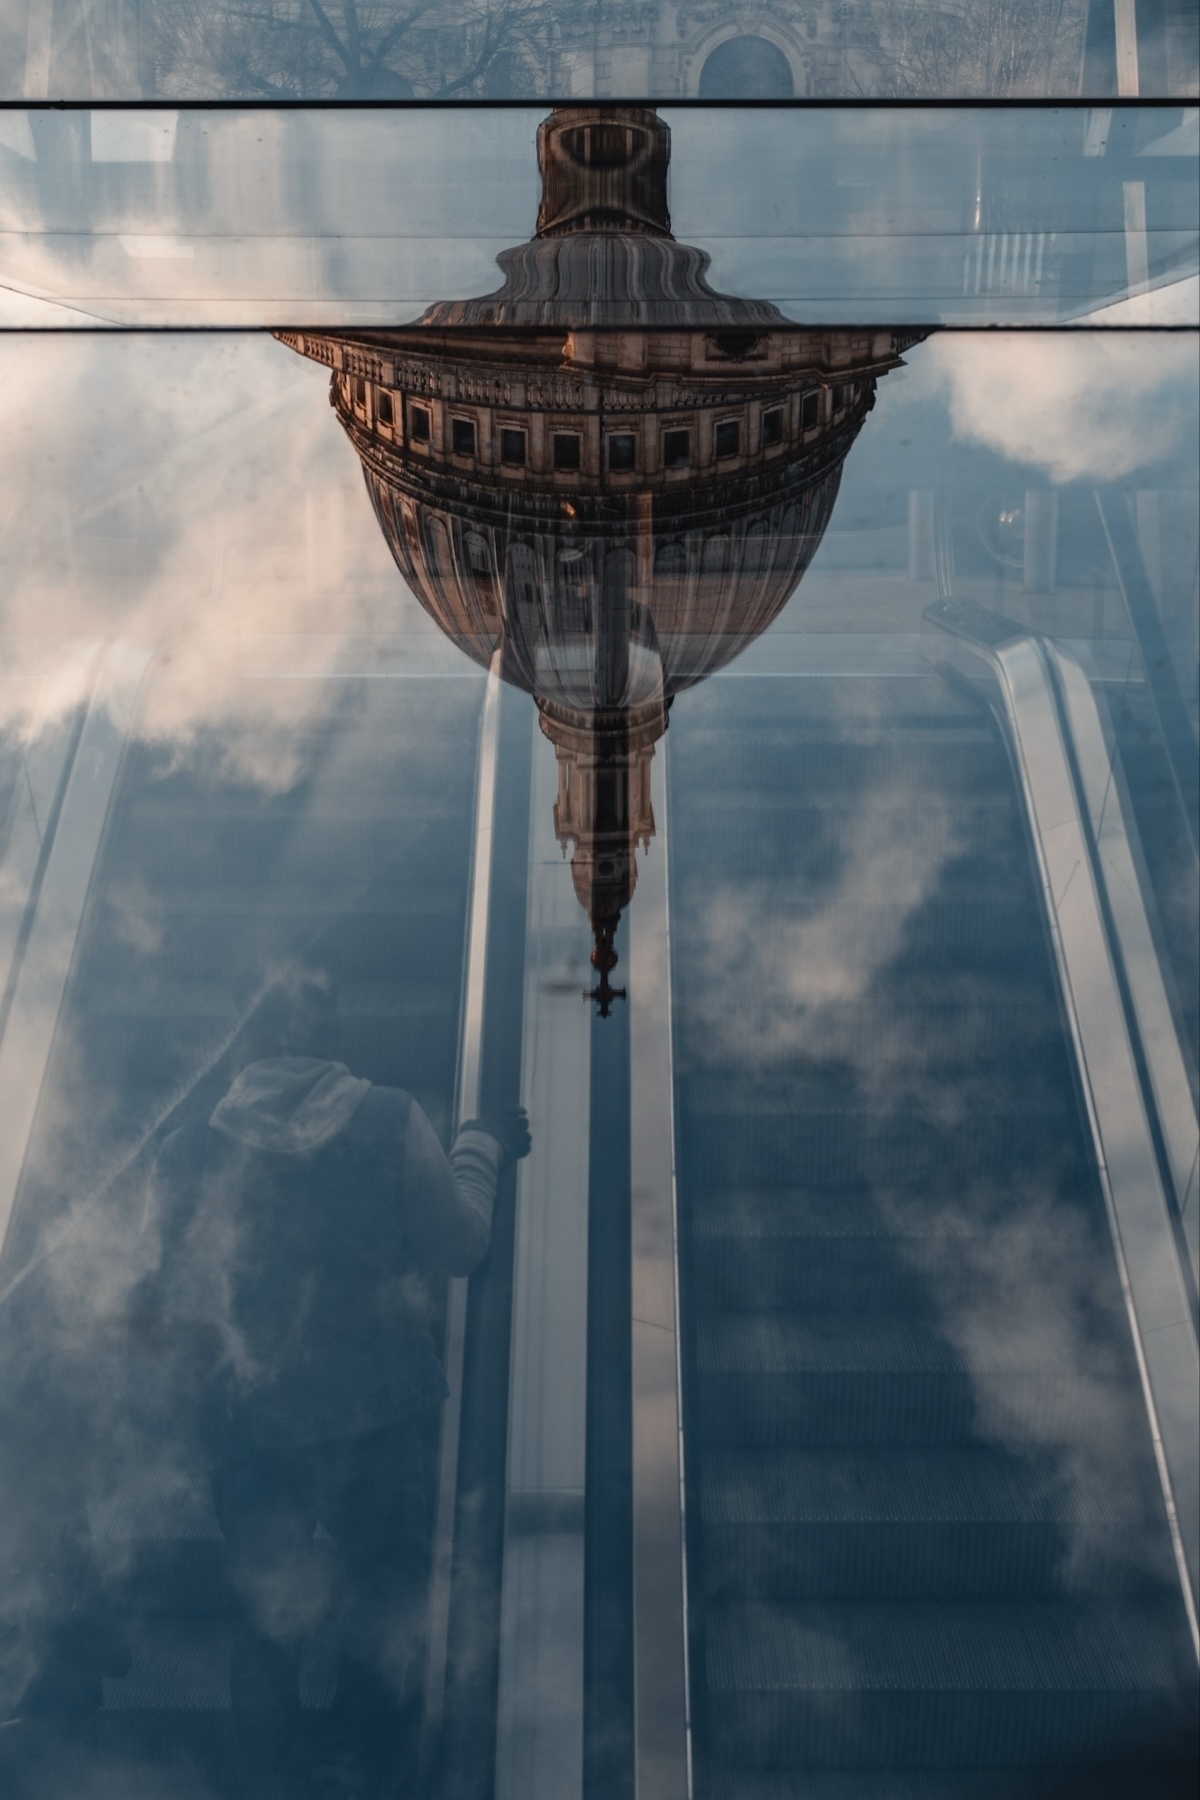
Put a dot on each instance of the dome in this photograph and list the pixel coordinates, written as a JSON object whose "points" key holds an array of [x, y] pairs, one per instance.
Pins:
{"points": [[605, 470], [699, 580]]}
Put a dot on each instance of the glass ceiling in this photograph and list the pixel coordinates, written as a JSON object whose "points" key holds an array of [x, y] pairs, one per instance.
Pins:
{"points": [[599, 822], [952, 215]]}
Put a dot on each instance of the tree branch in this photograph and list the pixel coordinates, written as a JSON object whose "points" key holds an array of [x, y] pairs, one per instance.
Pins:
{"points": [[391, 38], [329, 34]]}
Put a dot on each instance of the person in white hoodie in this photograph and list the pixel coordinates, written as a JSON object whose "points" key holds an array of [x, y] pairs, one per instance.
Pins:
{"points": [[293, 1228]]}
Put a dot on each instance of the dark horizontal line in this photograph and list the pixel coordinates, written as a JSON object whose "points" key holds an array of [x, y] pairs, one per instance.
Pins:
{"points": [[824, 103], [939, 328]]}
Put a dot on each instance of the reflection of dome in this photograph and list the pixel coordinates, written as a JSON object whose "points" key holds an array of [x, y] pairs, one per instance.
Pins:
{"points": [[603, 254], [619, 510], [711, 578], [490, 458]]}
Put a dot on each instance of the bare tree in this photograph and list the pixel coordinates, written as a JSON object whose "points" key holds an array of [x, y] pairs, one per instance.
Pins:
{"points": [[336, 49], [973, 48]]}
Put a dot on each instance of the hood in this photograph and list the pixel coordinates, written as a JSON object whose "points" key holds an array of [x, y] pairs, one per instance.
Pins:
{"points": [[292, 1105]]}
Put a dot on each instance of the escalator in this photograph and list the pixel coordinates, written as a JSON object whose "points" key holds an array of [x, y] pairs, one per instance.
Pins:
{"points": [[353, 858], [928, 1551]]}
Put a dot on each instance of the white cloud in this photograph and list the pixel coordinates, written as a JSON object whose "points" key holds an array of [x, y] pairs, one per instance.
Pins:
{"points": [[192, 496], [1081, 406]]}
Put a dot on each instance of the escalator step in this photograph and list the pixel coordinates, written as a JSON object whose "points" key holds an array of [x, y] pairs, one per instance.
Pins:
{"points": [[856, 1215], [836, 1561], [182, 1665], [899, 1343], [839, 1379], [749, 1274], [979, 1022], [883, 1148], [943, 1683], [994, 1089], [179, 1665], [976, 1485], [927, 1523], [1110, 1783], [867, 1408]]}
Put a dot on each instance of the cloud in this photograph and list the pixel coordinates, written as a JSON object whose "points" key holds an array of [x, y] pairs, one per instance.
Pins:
{"points": [[813, 960], [193, 497], [1086, 406], [837, 990]]}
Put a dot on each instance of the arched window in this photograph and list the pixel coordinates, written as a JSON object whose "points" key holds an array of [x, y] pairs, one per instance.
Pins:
{"points": [[716, 555], [620, 572], [757, 553], [522, 575], [438, 559], [479, 555], [483, 572], [746, 68]]}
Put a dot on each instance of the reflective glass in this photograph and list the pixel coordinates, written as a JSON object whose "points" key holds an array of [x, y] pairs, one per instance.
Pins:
{"points": [[388, 50], [599, 1016], [922, 216]]}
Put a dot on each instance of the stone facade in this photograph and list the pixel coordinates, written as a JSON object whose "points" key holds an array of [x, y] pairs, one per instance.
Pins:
{"points": [[660, 48]]}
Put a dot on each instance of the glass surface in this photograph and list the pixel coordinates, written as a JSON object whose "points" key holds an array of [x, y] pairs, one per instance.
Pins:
{"points": [[599, 1017], [926, 1531], [922, 216], [649, 49]]}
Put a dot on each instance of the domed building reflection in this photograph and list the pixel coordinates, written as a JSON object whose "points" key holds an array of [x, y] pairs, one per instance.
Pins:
{"points": [[605, 471]]}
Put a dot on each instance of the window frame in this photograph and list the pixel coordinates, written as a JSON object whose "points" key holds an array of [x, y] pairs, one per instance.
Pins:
{"points": [[457, 424], [566, 437], [726, 425], [514, 431], [676, 431]]}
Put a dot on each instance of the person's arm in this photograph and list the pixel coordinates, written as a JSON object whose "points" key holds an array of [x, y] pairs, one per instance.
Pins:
{"points": [[450, 1198], [165, 1335]]}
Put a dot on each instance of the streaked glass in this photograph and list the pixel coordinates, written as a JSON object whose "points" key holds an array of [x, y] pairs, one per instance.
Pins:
{"points": [[360, 217]]}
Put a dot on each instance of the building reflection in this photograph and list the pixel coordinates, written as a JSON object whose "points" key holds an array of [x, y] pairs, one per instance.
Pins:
{"points": [[605, 473]]}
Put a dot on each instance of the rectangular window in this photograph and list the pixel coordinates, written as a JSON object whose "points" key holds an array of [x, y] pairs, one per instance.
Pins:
{"points": [[383, 409], [566, 450], [512, 447], [810, 410], [462, 437], [772, 427], [360, 391], [622, 453], [729, 437], [418, 424], [677, 449]]}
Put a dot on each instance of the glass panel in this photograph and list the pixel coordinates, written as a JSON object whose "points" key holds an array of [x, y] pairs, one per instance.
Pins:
{"points": [[912, 215], [764, 752], [513, 49], [276, 824]]}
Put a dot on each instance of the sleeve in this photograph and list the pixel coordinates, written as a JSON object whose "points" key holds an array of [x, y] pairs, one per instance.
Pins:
{"points": [[450, 1198], [170, 1324], [176, 1287]]}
